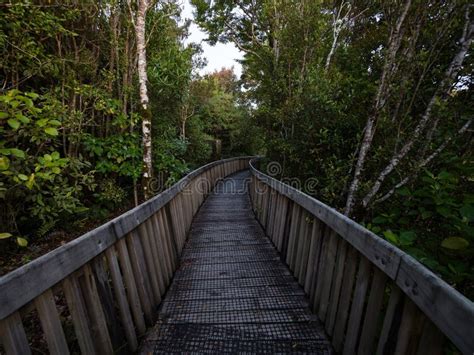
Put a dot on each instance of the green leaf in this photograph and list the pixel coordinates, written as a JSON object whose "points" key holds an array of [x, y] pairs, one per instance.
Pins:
{"points": [[3, 115], [391, 237], [18, 153], [51, 131], [55, 155], [4, 163], [21, 241], [31, 181], [22, 118], [13, 123], [33, 95], [42, 122], [23, 177], [455, 243], [54, 123], [56, 170], [5, 235], [407, 238]]}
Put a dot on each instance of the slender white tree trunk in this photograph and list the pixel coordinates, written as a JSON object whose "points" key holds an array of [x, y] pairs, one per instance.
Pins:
{"points": [[145, 110], [441, 94], [394, 45]]}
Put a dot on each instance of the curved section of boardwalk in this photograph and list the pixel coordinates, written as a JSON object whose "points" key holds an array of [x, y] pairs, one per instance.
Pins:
{"points": [[231, 292]]}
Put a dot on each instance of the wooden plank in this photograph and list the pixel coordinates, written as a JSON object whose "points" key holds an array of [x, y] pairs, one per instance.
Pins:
{"points": [[131, 286], [170, 230], [306, 249], [303, 255], [162, 250], [77, 309], [357, 306], [153, 270], [299, 243], [320, 278], [122, 302], [13, 335], [271, 217], [51, 324], [330, 262], [313, 260], [280, 221], [141, 279], [345, 299], [372, 315], [390, 319], [166, 242], [450, 311], [336, 286], [107, 301], [294, 229], [431, 341], [286, 231], [158, 257], [410, 329], [95, 311]]}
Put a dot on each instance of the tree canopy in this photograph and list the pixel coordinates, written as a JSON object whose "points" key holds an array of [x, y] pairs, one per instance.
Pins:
{"points": [[371, 100]]}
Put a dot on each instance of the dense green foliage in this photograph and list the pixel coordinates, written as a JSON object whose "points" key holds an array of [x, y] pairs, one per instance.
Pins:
{"points": [[372, 100], [70, 124], [318, 71]]}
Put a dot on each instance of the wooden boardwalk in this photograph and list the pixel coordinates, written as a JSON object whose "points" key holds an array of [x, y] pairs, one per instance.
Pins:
{"points": [[232, 293]]}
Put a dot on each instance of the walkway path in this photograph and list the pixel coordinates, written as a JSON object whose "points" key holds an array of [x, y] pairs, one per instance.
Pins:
{"points": [[231, 292]]}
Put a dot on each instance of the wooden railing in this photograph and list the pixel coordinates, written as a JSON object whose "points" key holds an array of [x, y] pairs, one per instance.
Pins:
{"points": [[371, 296], [109, 281]]}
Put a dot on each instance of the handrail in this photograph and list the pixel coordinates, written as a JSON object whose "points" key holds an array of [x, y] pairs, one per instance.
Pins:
{"points": [[449, 310], [140, 249]]}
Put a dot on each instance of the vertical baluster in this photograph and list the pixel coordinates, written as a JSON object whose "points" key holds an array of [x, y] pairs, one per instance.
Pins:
{"points": [[13, 335], [122, 303], [77, 309], [374, 307], [94, 306], [357, 307], [345, 299], [130, 283], [390, 319], [336, 285]]}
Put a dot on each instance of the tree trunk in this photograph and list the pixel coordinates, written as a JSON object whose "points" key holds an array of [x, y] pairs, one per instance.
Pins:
{"points": [[369, 131], [441, 94], [145, 110]]}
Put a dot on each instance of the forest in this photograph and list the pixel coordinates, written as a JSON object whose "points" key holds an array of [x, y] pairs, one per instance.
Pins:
{"points": [[102, 106]]}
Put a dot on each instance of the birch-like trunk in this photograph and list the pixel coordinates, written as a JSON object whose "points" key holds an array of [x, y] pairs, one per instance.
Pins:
{"points": [[145, 110], [440, 94], [369, 131]]}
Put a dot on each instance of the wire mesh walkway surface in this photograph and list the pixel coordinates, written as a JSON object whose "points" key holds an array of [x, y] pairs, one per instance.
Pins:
{"points": [[232, 293]]}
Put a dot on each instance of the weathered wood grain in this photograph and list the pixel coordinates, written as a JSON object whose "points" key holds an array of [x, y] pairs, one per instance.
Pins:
{"points": [[13, 335], [94, 307], [345, 299], [51, 324], [372, 314], [122, 302], [78, 311], [391, 314], [131, 286], [336, 285], [357, 306]]}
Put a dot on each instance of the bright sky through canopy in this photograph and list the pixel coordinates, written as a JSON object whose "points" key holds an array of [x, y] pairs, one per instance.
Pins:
{"points": [[218, 56]]}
